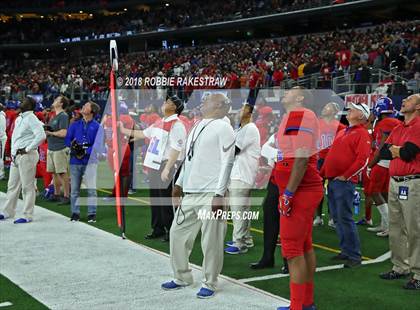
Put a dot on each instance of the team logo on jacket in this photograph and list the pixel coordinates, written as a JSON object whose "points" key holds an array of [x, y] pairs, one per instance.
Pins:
{"points": [[280, 155]]}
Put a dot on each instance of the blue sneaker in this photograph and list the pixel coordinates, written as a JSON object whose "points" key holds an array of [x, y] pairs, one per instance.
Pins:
{"points": [[205, 293], [229, 243], [236, 250], [171, 285], [22, 221], [311, 307], [2, 217]]}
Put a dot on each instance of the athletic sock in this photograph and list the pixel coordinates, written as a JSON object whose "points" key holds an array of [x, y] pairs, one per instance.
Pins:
{"points": [[383, 210], [309, 294], [297, 294]]}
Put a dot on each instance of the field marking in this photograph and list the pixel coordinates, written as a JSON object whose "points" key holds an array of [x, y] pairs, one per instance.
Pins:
{"points": [[379, 259], [315, 245], [6, 304], [104, 254]]}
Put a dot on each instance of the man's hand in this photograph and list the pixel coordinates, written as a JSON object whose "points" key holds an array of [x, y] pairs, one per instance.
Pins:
{"points": [[395, 151], [217, 204], [165, 175], [340, 178], [176, 196], [21, 152], [285, 203]]}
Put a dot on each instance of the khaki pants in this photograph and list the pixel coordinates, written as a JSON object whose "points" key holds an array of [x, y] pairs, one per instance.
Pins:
{"points": [[240, 202], [2, 150], [22, 176], [404, 227], [184, 230]]}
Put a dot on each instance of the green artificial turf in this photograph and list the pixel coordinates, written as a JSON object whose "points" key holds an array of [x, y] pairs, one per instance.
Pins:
{"points": [[338, 289], [20, 299]]}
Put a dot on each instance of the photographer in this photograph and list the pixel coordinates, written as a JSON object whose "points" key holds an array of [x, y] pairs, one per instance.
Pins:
{"points": [[85, 138], [27, 136], [58, 152]]}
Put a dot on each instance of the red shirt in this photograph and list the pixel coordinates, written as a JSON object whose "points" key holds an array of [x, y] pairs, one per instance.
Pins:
{"points": [[327, 133], [127, 121], [298, 129], [349, 154], [384, 127], [399, 136]]}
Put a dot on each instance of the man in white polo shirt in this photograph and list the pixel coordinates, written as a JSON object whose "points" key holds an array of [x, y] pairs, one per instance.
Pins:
{"points": [[167, 138], [242, 179], [3, 139], [27, 136], [203, 178]]}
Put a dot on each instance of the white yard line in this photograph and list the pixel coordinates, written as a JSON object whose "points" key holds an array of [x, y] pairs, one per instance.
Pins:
{"points": [[5, 304], [379, 259], [68, 265]]}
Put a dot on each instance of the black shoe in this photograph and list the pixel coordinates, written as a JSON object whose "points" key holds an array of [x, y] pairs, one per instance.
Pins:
{"points": [[54, 198], [393, 275], [154, 235], [413, 284], [350, 263], [92, 218], [261, 265], [75, 217], [285, 269], [340, 256], [64, 201], [165, 238]]}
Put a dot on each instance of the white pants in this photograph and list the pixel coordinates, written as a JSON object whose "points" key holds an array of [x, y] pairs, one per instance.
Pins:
{"points": [[2, 150], [184, 230], [22, 176], [240, 202]]}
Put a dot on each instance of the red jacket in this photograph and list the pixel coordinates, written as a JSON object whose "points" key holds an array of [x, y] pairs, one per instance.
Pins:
{"points": [[349, 154], [399, 136]]}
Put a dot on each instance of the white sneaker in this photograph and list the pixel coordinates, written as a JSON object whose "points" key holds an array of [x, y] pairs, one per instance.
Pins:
{"points": [[375, 229], [249, 243], [331, 223], [318, 221], [383, 234], [370, 222]]}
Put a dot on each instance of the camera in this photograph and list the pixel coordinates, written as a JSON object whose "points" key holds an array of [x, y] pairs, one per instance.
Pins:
{"points": [[79, 150]]}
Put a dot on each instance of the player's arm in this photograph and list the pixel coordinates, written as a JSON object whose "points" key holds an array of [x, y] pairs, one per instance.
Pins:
{"points": [[362, 146], [376, 157], [300, 164], [136, 134]]}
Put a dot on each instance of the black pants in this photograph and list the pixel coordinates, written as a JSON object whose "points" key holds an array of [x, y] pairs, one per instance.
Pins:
{"points": [[271, 222], [161, 201]]}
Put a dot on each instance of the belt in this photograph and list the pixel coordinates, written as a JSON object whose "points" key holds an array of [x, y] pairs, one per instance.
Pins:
{"points": [[406, 178]]}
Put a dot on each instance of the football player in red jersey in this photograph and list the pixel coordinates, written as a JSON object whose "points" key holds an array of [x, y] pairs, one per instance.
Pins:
{"points": [[125, 149], [301, 191], [378, 170], [328, 128]]}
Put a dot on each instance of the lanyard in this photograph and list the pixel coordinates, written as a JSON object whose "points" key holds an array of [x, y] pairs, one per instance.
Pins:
{"points": [[190, 152]]}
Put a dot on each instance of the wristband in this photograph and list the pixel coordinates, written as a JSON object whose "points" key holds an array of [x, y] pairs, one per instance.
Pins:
{"points": [[288, 193]]}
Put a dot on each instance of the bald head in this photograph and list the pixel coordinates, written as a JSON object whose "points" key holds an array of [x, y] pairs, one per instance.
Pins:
{"points": [[215, 105]]}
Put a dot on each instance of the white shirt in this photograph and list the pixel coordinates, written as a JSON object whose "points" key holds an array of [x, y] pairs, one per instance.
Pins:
{"points": [[176, 138], [209, 168], [2, 126], [245, 167], [28, 133], [269, 151]]}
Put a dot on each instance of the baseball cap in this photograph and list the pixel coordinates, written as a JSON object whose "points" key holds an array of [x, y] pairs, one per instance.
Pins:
{"points": [[361, 107], [178, 103]]}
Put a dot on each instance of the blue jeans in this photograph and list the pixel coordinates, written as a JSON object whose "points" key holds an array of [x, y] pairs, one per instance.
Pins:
{"points": [[340, 197], [88, 175]]}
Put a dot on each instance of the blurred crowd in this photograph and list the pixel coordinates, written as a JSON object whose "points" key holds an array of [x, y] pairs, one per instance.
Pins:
{"points": [[248, 64], [182, 14]]}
